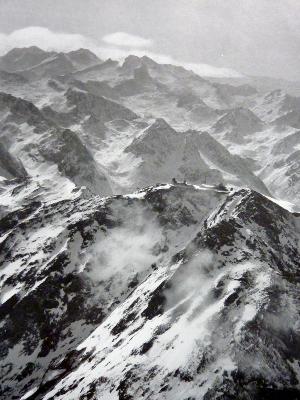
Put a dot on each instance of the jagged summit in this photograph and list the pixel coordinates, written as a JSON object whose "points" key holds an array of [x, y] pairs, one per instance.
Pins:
{"points": [[23, 58], [131, 62], [158, 138], [239, 120], [238, 124], [83, 58], [33, 62], [160, 124]]}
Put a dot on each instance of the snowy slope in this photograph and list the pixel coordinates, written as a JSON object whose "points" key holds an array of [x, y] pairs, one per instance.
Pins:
{"points": [[201, 318], [81, 253]]}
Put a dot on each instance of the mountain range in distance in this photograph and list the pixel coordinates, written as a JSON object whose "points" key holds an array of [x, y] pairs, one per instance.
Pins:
{"points": [[149, 231]]}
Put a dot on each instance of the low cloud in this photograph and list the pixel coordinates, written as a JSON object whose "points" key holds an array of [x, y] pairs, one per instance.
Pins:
{"points": [[126, 250], [192, 278], [204, 70], [127, 40], [43, 38], [209, 70], [116, 45]]}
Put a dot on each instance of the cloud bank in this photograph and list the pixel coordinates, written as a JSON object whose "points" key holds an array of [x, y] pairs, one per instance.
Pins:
{"points": [[127, 40], [117, 45], [126, 250], [43, 38]]}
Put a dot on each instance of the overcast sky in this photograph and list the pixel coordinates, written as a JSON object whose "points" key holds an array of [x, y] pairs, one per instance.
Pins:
{"points": [[254, 37]]}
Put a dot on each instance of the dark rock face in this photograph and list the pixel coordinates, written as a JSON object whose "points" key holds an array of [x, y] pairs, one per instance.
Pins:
{"points": [[10, 167]]}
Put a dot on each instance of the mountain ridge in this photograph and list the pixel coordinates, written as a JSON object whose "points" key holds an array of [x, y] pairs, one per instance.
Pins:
{"points": [[149, 232], [218, 231]]}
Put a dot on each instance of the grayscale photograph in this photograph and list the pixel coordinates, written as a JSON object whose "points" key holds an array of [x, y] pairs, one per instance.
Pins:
{"points": [[149, 200]]}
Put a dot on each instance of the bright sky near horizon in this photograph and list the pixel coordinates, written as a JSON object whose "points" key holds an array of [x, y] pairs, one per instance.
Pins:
{"points": [[254, 37]]}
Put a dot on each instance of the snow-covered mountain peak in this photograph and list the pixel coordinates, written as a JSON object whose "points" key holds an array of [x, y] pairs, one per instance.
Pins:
{"points": [[160, 124], [83, 58], [239, 121], [149, 247], [22, 58]]}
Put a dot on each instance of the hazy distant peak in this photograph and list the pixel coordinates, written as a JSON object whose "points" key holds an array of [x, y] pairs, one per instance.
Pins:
{"points": [[21, 50], [23, 58], [149, 61], [109, 62], [83, 57], [240, 115], [82, 51]]}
